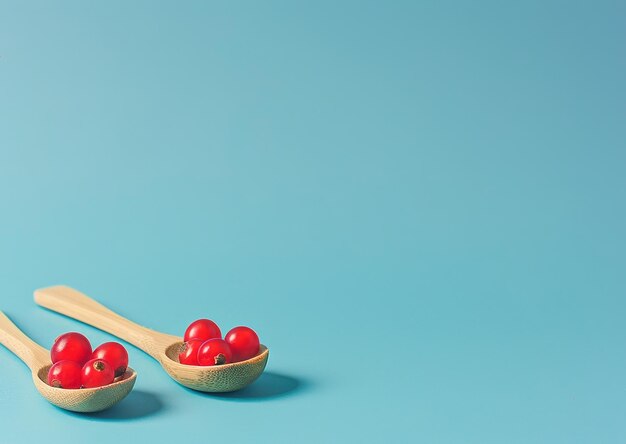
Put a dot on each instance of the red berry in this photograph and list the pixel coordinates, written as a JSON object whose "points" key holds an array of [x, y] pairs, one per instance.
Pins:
{"points": [[96, 373], [65, 374], [243, 342], [189, 353], [202, 329], [214, 352], [115, 354], [71, 347]]}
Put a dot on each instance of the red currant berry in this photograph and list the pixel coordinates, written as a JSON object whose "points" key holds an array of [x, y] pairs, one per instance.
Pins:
{"points": [[189, 353], [65, 374], [96, 373], [115, 354], [202, 329], [71, 347], [243, 342], [214, 352]]}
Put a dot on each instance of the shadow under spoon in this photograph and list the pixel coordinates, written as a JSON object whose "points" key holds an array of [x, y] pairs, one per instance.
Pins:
{"points": [[162, 347], [84, 400]]}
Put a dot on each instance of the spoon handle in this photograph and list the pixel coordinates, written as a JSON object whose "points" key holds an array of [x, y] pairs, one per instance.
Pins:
{"points": [[74, 304], [33, 354]]}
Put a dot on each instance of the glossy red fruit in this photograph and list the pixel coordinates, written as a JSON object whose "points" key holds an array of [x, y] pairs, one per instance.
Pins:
{"points": [[189, 353], [214, 352], [65, 374], [71, 347], [115, 354], [244, 343], [203, 329], [96, 373]]}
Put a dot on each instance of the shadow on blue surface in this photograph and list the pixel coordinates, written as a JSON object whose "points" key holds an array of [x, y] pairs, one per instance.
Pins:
{"points": [[138, 404], [270, 385]]}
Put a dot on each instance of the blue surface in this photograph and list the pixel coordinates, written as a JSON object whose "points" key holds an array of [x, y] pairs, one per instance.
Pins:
{"points": [[419, 206]]}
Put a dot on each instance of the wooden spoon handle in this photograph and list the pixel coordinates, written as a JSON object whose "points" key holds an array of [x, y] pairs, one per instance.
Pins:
{"points": [[33, 354], [73, 303]]}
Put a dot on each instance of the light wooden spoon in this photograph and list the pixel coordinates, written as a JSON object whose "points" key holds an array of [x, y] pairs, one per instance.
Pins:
{"points": [[37, 359], [162, 347]]}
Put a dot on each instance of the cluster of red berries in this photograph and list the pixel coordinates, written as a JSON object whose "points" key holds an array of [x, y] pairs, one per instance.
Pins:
{"points": [[204, 344], [74, 365]]}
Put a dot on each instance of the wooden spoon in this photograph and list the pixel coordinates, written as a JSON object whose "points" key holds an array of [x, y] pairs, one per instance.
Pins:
{"points": [[37, 359], [162, 347]]}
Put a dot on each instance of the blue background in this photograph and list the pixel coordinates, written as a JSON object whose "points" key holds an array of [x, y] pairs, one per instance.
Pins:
{"points": [[420, 207]]}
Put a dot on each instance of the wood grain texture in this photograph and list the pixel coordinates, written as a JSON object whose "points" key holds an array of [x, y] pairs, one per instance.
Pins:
{"points": [[162, 347], [37, 359]]}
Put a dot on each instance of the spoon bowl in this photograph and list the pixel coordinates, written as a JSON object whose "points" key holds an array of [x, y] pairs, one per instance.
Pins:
{"points": [[217, 378], [162, 347], [85, 400]]}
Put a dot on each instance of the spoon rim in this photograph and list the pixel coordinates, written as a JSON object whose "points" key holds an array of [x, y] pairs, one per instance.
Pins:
{"points": [[131, 377], [261, 355]]}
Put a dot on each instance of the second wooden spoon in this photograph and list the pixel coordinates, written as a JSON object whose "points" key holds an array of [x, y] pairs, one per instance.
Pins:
{"points": [[162, 347], [37, 358]]}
